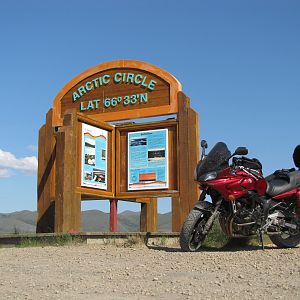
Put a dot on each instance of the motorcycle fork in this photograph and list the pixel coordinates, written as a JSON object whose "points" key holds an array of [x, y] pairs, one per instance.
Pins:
{"points": [[212, 218]]}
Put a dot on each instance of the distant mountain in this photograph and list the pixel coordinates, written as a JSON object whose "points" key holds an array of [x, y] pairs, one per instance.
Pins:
{"points": [[21, 221], [91, 221]]}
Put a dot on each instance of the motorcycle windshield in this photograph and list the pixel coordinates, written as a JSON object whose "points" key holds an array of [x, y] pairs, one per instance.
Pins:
{"points": [[214, 161]]}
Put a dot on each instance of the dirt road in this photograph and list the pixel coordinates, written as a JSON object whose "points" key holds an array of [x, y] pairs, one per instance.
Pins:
{"points": [[110, 272]]}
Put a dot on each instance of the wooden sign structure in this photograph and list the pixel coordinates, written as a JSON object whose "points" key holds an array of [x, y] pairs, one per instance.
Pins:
{"points": [[85, 155]]}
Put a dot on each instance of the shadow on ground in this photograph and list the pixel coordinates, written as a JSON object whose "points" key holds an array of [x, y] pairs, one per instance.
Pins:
{"points": [[230, 247]]}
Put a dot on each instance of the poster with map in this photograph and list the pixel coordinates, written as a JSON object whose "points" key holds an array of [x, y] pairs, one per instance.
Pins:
{"points": [[94, 157], [148, 160]]}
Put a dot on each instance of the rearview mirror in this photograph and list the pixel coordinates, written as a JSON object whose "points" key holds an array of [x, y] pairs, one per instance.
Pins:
{"points": [[204, 144], [241, 151]]}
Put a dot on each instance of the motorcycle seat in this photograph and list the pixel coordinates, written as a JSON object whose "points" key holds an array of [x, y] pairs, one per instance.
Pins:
{"points": [[277, 185]]}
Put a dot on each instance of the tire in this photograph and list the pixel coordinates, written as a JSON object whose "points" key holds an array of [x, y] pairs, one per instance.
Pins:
{"points": [[290, 238], [191, 238], [289, 242]]}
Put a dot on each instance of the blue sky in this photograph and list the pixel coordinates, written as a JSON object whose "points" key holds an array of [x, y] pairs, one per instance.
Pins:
{"points": [[238, 61]]}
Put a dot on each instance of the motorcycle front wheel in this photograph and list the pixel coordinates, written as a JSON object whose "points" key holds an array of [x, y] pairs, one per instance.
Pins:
{"points": [[191, 235]]}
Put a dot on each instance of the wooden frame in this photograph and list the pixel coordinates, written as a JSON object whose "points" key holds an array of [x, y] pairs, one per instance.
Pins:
{"points": [[87, 192], [122, 165]]}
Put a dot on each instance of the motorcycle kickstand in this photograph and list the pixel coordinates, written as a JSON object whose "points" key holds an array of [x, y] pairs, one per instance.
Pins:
{"points": [[261, 238]]}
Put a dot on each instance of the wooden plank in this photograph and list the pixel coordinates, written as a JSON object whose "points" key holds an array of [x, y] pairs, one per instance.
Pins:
{"points": [[148, 216], [68, 200], [183, 147], [176, 214], [60, 149], [121, 164], [99, 194], [118, 159], [90, 121], [146, 125], [46, 186], [173, 169], [69, 168], [193, 156], [40, 179], [153, 215], [112, 162], [150, 193], [72, 199], [49, 160]]}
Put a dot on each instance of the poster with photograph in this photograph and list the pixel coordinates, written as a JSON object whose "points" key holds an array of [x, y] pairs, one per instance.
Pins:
{"points": [[148, 160], [94, 160]]}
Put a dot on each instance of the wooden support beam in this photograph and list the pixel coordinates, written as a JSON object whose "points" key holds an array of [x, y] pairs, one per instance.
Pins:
{"points": [[68, 201], [188, 148], [113, 216], [193, 155], [40, 180], [176, 214], [148, 217], [46, 176]]}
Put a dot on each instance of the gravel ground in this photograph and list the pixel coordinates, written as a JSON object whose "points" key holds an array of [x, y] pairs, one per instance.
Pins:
{"points": [[138, 272]]}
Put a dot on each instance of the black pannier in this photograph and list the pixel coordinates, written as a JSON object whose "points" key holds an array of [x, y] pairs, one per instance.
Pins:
{"points": [[296, 156], [249, 163]]}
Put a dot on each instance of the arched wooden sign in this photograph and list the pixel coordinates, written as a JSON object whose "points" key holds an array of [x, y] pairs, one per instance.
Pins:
{"points": [[83, 156], [119, 90]]}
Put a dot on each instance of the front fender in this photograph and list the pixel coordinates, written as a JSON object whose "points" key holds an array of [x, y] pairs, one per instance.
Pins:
{"points": [[204, 206]]}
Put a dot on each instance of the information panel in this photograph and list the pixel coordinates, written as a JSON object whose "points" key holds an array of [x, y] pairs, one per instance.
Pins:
{"points": [[94, 157], [148, 160]]}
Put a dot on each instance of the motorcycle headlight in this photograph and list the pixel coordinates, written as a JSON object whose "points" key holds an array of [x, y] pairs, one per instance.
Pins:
{"points": [[208, 176]]}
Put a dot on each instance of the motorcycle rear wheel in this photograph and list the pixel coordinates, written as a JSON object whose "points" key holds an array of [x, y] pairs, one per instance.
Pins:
{"points": [[191, 237], [287, 239]]}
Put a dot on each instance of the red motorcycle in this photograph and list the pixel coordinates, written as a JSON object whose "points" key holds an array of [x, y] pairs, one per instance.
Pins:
{"points": [[243, 200]]}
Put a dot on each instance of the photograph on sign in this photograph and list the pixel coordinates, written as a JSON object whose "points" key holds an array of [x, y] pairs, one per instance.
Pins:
{"points": [[94, 159], [148, 160]]}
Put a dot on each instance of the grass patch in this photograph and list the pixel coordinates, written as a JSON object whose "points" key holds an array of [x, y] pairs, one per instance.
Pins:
{"points": [[216, 238], [58, 240], [132, 241]]}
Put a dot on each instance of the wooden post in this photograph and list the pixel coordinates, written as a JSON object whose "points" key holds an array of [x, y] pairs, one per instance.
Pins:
{"points": [[46, 177], [176, 214], [68, 201], [113, 216], [40, 180], [148, 218], [188, 147]]}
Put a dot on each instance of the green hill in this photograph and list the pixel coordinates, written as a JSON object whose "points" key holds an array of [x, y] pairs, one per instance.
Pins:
{"points": [[91, 221]]}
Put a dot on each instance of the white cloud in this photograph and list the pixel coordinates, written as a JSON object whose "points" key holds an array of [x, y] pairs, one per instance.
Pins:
{"points": [[5, 173], [9, 162]]}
